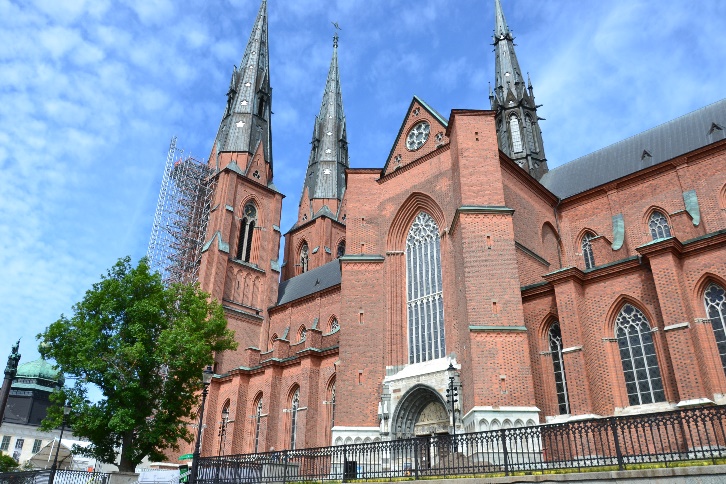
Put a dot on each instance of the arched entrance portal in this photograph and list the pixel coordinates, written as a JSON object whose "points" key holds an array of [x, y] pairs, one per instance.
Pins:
{"points": [[421, 411]]}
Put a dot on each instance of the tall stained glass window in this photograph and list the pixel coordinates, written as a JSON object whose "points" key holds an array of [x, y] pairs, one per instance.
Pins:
{"points": [[295, 404], [637, 353], [258, 423], [715, 301], [587, 250], [555, 337], [424, 289]]}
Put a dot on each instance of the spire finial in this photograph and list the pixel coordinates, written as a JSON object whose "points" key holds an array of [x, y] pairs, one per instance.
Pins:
{"points": [[335, 37]]}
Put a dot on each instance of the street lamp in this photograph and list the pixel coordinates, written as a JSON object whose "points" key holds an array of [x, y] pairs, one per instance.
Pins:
{"points": [[451, 393], [206, 380], [54, 467]]}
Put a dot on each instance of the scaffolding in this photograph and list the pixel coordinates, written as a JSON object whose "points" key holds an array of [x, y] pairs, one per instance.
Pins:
{"points": [[182, 214]]}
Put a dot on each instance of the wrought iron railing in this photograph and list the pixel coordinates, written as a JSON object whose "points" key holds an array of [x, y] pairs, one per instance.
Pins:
{"points": [[61, 477], [607, 443]]}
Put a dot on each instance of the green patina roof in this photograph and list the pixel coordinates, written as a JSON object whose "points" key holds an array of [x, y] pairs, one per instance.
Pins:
{"points": [[38, 369]]}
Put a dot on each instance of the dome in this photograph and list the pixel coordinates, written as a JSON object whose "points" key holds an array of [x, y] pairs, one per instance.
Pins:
{"points": [[39, 369]]}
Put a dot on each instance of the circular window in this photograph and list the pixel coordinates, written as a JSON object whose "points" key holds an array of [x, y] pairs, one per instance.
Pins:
{"points": [[418, 136]]}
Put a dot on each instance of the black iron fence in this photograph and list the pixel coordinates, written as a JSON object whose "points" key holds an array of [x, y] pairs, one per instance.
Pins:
{"points": [[61, 477], [613, 443]]}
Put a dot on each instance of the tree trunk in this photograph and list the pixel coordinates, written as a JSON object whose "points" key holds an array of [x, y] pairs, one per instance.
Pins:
{"points": [[125, 464]]}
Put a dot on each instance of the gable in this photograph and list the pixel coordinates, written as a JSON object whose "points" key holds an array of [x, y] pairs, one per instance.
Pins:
{"points": [[423, 130]]}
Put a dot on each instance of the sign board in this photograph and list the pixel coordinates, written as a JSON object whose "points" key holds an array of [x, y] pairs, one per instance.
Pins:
{"points": [[184, 474], [186, 457]]}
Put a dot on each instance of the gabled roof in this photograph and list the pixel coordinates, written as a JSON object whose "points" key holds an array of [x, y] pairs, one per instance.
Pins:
{"points": [[649, 148], [310, 282]]}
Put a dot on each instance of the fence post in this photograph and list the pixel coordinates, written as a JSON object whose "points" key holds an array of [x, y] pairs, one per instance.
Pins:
{"points": [[616, 441], [285, 460], [345, 461], [416, 455], [503, 433]]}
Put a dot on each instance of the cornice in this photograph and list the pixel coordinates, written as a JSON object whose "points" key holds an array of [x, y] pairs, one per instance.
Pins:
{"points": [[501, 329], [279, 362], [365, 258], [244, 313], [604, 271], [539, 289], [481, 209], [679, 249]]}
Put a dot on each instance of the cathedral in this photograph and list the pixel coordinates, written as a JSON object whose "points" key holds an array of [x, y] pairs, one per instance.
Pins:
{"points": [[543, 295]]}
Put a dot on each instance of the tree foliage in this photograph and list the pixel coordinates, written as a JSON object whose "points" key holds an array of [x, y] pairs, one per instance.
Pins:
{"points": [[144, 346], [7, 463]]}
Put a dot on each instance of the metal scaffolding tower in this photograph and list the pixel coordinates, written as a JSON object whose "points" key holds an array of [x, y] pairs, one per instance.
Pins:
{"points": [[182, 213]]}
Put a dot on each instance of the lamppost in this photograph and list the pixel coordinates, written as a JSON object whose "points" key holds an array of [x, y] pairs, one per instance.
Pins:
{"points": [[451, 393], [206, 380], [54, 467]]}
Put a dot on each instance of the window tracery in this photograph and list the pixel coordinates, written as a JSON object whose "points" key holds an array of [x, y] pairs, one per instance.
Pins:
{"points": [[715, 300], [529, 133], [643, 382], [555, 341], [258, 423], [425, 307], [341, 248], [334, 325], [658, 225], [304, 257], [587, 250], [246, 231]]}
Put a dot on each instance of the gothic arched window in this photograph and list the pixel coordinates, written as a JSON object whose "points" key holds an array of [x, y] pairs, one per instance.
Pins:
{"points": [[223, 428], [302, 333], [258, 423], [425, 295], [304, 257], [658, 225], [643, 382], [587, 250], [529, 133], [516, 134], [294, 405], [247, 225], [555, 340], [334, 325], [715, 301], [341, 248]]}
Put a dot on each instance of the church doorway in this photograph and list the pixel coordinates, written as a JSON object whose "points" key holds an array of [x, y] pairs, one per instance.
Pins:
{"points": [[421, 411]]}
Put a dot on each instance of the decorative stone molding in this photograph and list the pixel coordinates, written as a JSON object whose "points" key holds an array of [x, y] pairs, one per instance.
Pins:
{"points": [[677, 326]]}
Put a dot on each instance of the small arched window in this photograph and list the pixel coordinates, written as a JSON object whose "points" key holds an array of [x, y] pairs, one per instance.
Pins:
{"points": [[529, 128], [587, 250], [302, 333], [555, 340], [516, 134], [304, 257], [643, 382], [341, 248], [658, 225], [258, 423], [715, 300], [246, 230], [334, 325], [273, 338], [294, 405]]}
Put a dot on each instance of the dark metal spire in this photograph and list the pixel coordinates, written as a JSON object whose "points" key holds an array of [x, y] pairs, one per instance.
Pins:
{"points": [[246, 121], [517, 121], [329, 153]]}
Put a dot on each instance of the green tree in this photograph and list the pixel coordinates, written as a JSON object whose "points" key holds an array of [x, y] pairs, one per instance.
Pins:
{"points": [[144, 346], [7, 463]]}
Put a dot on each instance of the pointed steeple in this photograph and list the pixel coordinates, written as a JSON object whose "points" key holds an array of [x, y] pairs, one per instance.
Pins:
{"points": [[513, 100], [246, 120], [328, 160]]}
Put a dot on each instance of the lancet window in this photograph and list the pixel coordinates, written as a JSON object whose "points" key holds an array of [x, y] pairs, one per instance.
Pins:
{"points": [[658, 225], [258, 424], [715, 300], [643, 382], [425, 304], [587, 250], [246, 230], [294, 405], [529, 133], [516, 134], [555, 340], [304, 257], [341, 248]]}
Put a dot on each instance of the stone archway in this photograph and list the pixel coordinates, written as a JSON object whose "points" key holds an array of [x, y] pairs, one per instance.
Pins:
{"points": [[421, 411]]}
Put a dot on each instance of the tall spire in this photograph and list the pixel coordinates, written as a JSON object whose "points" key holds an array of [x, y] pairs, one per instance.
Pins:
{"points": [[329, 153], [517, 121], [246, 120]]}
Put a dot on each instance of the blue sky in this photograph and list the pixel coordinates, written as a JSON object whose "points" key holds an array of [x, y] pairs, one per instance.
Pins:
{"points": [[92, 91]]}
